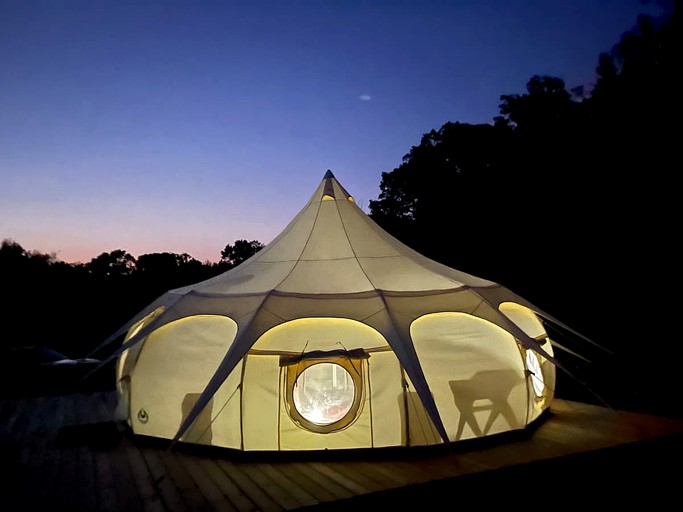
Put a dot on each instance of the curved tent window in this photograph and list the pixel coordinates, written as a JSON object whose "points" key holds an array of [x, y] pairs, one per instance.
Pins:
{"points": [[533, 365], [122, 366], [324, 390], [525, 319], [136, 328]]}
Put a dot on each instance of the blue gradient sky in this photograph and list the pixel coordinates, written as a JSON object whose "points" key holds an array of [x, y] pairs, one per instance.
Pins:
{"points": [[183, 126]]}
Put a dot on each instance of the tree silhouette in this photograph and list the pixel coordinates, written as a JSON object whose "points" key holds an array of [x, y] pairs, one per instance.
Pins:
{"points": [[563, 185], [572, 196], [116, 263], [240, 251], [439, 191]]}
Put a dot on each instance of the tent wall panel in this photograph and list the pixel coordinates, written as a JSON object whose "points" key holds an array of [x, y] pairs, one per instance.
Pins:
{"points": [[226, 421], [189, 350], [420, 428], [387, 401], [261, 402], [475, 373]]}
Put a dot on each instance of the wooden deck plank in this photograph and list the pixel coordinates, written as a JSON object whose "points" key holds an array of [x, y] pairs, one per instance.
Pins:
{"points": [[87, 469], [293, 487], [211, 491], [270, 487], [68, 457], [361, 475], [144, 481], [50, 464], [125, 484], [340, 477], [169, 493], [408, 471], [60, 462], [176, 470], [324, 481], [236, 496], [89, 496], [109, 497], [321, 492], [28, 472], [261, 498], [374, 471], [390, 471]]}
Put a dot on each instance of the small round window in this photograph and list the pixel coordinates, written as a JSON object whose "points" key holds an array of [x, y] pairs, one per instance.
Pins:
{"points": [[534, 366], [324, 393]]}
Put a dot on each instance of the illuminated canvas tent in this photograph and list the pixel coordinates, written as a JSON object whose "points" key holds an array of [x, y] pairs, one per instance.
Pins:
{"points": [[334, 336]]}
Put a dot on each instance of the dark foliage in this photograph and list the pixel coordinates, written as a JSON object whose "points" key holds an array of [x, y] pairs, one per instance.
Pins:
{"points": [[567, 198], [71, 308], [240, 251]]}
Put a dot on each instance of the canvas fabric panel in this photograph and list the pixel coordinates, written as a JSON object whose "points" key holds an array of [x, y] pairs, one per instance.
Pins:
{"points": [[400, 273], [387, 400], [259, 277], [326, 276], [290, 243], [261, 402], [174, 365], [421, 430], [362, 233], [226, 421], [524, 318], [327, 240], [475, 372], [309, 334]]}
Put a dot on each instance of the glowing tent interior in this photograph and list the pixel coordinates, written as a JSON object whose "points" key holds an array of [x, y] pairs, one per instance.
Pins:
{"points": [[334, 336]]}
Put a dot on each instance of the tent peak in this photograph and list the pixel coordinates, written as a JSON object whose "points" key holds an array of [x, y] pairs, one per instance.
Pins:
{"points": [[328, 175]]}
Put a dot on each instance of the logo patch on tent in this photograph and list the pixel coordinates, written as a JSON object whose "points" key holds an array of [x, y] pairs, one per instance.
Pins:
{"points": [[142, 416]]}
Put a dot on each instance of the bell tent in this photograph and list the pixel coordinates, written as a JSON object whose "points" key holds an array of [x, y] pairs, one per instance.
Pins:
{"points": [[334, 336]]}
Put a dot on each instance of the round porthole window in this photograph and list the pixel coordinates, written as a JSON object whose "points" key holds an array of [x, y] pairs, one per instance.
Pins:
{"points": [[533, 364], [324, 393]]}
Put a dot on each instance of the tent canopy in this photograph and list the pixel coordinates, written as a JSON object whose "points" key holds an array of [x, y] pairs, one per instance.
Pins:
{"points": [[332, 265]]}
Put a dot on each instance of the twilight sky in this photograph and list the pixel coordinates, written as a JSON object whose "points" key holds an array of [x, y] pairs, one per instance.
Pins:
{"points": [[156, 126]]}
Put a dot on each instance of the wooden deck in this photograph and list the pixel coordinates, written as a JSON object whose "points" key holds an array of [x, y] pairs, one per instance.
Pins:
{"points": [[65, 453]]}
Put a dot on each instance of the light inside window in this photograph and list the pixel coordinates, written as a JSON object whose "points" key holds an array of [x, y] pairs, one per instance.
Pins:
{"points": [[135, 330], [323, 393], [534, 366]]}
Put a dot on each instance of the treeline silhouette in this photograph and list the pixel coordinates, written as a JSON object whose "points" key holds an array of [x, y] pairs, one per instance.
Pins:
{"points": [[569, 197], [72, 308]]}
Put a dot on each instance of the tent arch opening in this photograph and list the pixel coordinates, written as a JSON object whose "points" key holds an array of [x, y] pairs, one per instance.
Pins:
{"points": [[173, 366], [474, 371], [306, 384]]}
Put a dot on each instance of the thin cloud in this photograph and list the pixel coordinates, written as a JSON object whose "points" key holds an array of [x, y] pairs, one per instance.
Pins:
{"points": [[365, 97]]}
